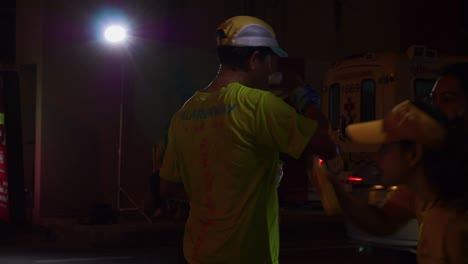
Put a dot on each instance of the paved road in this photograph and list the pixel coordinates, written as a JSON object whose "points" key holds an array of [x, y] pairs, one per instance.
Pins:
{"points": [[319, 254], [163, 255], [304, 239]]}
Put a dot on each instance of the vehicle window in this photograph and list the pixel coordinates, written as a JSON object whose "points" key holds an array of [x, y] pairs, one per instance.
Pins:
{"points": [[423, 88], [368, 97]]}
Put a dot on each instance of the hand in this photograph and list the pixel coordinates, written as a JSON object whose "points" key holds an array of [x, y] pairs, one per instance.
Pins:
{"points": [[335, 166], [303, 96]]}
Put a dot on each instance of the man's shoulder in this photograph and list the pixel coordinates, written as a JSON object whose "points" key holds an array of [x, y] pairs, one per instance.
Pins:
{"points": [[256, 93], [246, 95], [246, 89]]}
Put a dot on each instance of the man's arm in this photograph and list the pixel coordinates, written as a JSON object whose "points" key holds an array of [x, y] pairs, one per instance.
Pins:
{"points": [[172, 190], [371, 219], [374, 220], [306, 101]]}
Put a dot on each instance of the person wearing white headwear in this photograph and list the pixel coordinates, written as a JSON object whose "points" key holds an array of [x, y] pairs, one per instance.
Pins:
{"points": [[224, 146]]}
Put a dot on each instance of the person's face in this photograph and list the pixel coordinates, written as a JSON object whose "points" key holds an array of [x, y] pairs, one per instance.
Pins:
{"points": [[449, 97], [393, 163]]}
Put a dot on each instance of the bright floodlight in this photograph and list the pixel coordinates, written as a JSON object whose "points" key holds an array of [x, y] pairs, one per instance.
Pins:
{"points": [[115, 34]]}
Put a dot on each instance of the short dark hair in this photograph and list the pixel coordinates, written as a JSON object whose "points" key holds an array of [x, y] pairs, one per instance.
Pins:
{"points": [[236, 57], [446, 168], [458, 70], [445, 165]]}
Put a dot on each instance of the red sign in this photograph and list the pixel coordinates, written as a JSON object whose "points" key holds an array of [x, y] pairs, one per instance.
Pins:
{"points": [[4, 204], [349, 107], [4, 201]]}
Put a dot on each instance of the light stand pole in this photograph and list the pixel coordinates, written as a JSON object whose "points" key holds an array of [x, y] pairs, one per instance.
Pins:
{"points": [[119, 150], [117, 34]]}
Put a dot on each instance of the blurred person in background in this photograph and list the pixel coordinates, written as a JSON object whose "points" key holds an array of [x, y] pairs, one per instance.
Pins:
{"points": [[450, 96], [421, 150]]}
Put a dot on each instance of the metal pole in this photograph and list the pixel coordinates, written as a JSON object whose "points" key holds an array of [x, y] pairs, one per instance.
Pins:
{"points": [[119, 150], [121, 190]]}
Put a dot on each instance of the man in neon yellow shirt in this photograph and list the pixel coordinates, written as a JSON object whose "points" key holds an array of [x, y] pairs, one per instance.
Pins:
{"points": [[224, 146]]}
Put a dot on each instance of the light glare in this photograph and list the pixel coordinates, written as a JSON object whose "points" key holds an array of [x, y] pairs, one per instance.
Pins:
{"points": [[115, 34]]}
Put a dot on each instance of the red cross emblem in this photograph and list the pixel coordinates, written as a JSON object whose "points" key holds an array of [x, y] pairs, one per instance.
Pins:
{"points": [[349, 107]]}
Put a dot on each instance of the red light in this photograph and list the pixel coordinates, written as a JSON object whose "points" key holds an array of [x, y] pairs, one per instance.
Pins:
{"points": [[320, 162], [355, 179]]}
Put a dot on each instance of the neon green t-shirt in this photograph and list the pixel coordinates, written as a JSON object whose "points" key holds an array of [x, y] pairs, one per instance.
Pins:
{"points": [[224, 147]]}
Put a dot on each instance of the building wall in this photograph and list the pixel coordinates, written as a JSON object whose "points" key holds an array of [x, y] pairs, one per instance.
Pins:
{"points": [[322, 31], [437, 25]]}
